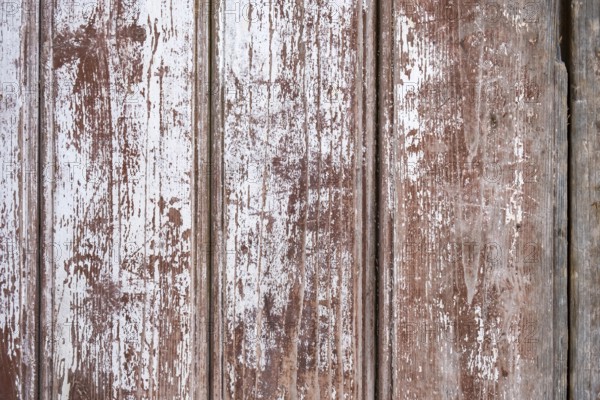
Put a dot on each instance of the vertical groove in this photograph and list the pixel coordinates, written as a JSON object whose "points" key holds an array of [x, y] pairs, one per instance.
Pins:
{"points": [[196, 143], [40, 188], [564, 43], [376, 200], [209, 181], [195, 133]]}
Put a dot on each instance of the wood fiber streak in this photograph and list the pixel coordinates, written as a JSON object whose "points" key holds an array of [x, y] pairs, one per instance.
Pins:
{"points": [[18, 199], [293, 210], [120, 283], [470, 135], [585, 200]]}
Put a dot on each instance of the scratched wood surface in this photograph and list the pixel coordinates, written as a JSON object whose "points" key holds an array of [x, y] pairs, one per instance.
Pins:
{"points": [[292, 286], [469, 140], [18, 199], [120, 277], [585, 200]]}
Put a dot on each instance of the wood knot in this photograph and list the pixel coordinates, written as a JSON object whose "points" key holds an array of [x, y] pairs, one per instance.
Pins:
{"points": [[493, 121]]}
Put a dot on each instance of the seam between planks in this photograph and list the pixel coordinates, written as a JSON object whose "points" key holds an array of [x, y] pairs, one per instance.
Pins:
{"points": [[209, 181], [565, 27], [376, 196], [40, 199], [196, 132]]}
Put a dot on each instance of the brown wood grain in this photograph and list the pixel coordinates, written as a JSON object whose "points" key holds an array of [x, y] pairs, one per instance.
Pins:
{"points": [[584, 68], [18, 199], [122, 269], [293, 210], [471, 101]]}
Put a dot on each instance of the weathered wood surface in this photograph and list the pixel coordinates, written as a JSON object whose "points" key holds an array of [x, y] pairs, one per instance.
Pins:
{"points": [[293, 123], [585, 200], [120, 275], [18, 199], [468, 167], [209, 200]]}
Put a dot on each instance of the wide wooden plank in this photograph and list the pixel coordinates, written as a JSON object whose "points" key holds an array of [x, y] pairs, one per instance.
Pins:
{"points": [[122, 316], [469, 145], [18, 199], [293, 210], [584, 69]]}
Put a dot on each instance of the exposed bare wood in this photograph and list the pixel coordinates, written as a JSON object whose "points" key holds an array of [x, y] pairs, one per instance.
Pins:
{"points": [[18, 199], [469, 263], [584, 63], [121, 287], [293, 123]]}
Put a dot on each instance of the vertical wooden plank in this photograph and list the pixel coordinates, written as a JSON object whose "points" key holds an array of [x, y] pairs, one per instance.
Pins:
{"points": [[120, 277], [469, 141], [293, 121], [584, 68], [18, 199]]}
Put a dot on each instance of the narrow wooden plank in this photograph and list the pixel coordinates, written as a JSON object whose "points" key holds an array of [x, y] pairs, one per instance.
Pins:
{"points": [[469, 143], [18, 199], [584, 69], [120, 278], [293, 121]]}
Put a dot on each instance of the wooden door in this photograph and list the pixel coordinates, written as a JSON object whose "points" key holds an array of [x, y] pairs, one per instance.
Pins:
{"points": [[304, 199]]}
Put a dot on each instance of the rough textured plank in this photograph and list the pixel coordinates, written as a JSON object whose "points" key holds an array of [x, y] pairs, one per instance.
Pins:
{"points": [[468, 169], [584, 215], [293, 261], [18, 199], [120, 280]]}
